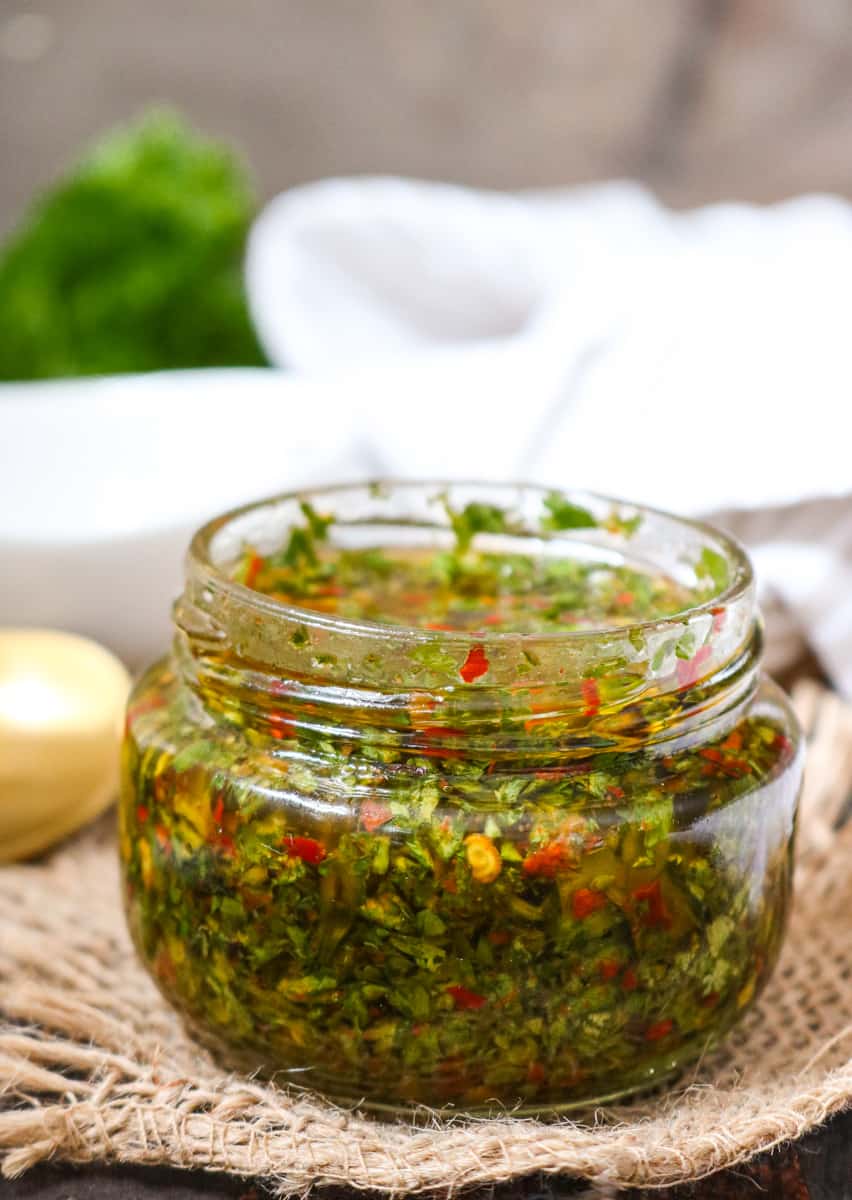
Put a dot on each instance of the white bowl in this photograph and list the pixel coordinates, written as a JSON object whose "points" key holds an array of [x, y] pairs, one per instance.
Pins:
{"points": [[104, 480]]}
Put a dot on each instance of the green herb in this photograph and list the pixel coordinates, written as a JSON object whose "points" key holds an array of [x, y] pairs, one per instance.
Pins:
{"points": [[565, 515], [474, 518], [712, 566], [133, 262]]}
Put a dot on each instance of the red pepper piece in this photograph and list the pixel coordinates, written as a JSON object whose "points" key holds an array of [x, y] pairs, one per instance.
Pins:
{"points": [[281, 725], [608, 968], [374, 814], [309, 850], [545, 861], [586, 901], [657, 914], [536, 1073], [591, 697], [466, 999], [688, 670], [255, 565], [659, 1030], [142, 814], [218, 812], [475, 665], [629, 981], [733, 767], [782, 743]]}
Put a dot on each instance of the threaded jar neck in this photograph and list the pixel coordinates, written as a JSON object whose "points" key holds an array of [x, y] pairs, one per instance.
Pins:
{"points": [[279, 668]]}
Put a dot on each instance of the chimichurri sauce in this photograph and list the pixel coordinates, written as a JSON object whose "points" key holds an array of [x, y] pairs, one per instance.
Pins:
{"points": [[443, 590], [390, 910]]}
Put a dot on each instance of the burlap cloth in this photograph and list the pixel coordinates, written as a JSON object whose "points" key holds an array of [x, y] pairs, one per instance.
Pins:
{"points": [[96, 1068]]}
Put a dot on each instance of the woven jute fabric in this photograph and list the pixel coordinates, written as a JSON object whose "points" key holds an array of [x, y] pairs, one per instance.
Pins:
{"points": [[94, 1066]]}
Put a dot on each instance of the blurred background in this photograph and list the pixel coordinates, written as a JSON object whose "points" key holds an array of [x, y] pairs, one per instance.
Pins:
{"points": [[702, 99]]}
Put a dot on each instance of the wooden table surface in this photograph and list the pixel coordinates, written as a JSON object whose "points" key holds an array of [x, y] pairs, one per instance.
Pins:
{"points": [[818, 1167]]}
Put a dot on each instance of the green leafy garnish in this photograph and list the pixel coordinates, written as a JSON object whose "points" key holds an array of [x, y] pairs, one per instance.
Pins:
{"points": [[712, 565], [565, 515], [133, 262]]}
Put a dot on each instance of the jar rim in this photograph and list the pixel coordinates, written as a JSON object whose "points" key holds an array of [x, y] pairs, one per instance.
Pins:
{"points": [[200, 558]]}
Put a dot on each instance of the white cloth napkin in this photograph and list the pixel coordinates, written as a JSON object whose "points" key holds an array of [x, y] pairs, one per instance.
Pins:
{"points": [[698, 361]]}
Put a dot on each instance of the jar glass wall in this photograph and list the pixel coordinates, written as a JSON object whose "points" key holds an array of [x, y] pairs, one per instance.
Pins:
{"points": [[462, 867]]}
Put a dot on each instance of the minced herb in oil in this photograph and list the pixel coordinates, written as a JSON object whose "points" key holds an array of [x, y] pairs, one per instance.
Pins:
{"points": [[393, 909]]}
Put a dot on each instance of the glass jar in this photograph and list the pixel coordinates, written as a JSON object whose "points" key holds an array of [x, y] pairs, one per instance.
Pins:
{"points": [[358, 865]]}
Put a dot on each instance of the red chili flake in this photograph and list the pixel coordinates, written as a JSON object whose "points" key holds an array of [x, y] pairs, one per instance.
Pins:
{"points": [[547, 773], [142, 814], [436, 731], [282, 724], [591, 697], [782, 743], [536, 1073], [255, 565], [629, 980], [625, 599], [218, 811], [734, 741], [545, 861], [657, 913], [464, 998], [374, 814], [734, 767], [616, 792], [586, 901], [659, 1030], [475, 665], [309, 850], [608, 968], [688, 670], [499, 937], [415, 599], [493, 619]]}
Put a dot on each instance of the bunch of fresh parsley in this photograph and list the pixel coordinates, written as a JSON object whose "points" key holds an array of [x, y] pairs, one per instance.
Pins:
{"points": [[133, 262]]}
